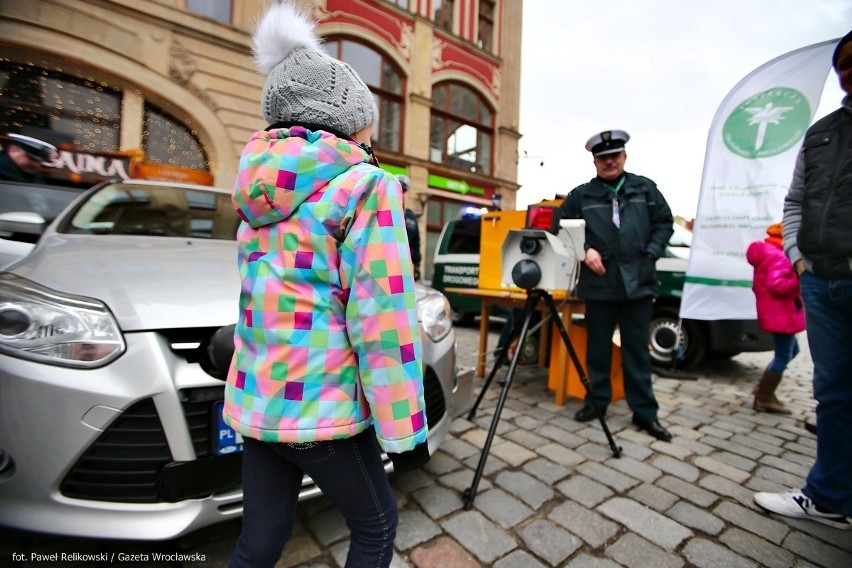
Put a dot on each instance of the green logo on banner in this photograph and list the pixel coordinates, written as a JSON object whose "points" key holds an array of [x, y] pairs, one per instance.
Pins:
{"points": [[767, 123]]}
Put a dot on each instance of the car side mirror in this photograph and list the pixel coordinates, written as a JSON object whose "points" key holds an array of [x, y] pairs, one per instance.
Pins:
{"points": [[21, 222]]}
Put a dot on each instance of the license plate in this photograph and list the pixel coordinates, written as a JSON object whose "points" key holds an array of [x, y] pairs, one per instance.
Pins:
{"points": [[227, 440]]}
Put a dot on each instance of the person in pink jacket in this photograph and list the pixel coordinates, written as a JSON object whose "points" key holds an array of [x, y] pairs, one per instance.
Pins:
{"points": [[780, 311]]}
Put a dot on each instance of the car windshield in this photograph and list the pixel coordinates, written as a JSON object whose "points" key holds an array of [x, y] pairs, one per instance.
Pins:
{"points": [[155, 210], [46, 200]]}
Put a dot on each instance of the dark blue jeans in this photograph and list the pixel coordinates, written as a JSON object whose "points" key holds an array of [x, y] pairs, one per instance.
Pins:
{"points": [[349, 472], [828, 315]]}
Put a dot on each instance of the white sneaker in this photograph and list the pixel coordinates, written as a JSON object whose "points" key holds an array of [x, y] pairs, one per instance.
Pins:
{"points": [[794, 503]]}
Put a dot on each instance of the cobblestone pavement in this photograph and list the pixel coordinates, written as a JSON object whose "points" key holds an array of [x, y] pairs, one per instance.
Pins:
{"points": [[552, 493]]}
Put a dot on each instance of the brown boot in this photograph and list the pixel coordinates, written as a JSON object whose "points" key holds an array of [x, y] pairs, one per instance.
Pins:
{"points": [[764, 395]]}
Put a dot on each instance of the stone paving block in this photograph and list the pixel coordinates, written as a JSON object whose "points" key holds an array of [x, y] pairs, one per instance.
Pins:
{"points": [[549, 541], [694, 446], [528, 423], [695, 518], [526, 439], [460, 426], [727, 488], [676, 467], [800, 449], [525, 487], [503, 508], [705, 554], [584, 560], [443, 552], [660, 530], [476, 437], [441, 463], [414, 528], [638, 450], [686, 490], [585, 523], [684, 433], [826, 545], [752, 521], [654, 497], [732, 446], [759, 445], [518, 559], [560, 455], [636, 552], [561, 436], [512, 453], [492, 464], [734, 460], [408, 481], [328, 527], [546, 470], [784, 479], [672, 449], [462, 479], [584, 490], [595, 452], [718, 468], [634, 468], [480, 536], [458, 449], [761, 551], [789, 462], [608, 476], [438, 501]]}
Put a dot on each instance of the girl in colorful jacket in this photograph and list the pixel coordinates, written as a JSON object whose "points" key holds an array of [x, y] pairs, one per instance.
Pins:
{"points": [[327, 368], [780, 311]]}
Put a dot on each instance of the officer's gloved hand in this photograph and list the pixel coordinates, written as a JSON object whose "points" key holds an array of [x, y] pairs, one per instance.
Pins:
{"points": [[406, 461]]}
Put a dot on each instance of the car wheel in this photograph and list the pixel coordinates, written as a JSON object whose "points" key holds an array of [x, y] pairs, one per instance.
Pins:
{"points": [[674, 345], [463, 319]]}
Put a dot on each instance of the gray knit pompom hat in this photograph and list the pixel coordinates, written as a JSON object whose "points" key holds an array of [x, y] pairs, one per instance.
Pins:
{"points": [[305, 84]]}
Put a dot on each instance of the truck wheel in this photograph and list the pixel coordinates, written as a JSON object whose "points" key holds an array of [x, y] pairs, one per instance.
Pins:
{"points": [[665, 348]]}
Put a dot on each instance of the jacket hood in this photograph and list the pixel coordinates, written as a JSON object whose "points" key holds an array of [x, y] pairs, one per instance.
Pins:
{"points": [[282, 168]]}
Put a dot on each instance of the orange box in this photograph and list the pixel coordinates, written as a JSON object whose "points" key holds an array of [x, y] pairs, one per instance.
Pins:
{"points": [[574, 387]]}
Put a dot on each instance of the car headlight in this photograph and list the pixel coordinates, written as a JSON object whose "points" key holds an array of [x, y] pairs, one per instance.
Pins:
{"points": [[434, 311], [52, 327]]}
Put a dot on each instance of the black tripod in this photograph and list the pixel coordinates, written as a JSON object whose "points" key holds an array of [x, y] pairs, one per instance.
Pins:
{"points": [[533, 297]]}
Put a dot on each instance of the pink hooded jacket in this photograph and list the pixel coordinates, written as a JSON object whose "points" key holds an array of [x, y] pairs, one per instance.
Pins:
{"points": [[776, 289]]}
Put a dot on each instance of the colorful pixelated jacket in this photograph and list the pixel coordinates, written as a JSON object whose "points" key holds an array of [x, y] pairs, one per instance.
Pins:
{"points": [[327, 342]]}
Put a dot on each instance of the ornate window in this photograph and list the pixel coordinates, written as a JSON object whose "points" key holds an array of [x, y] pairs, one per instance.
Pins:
{"points": [[400, 3], [486, 25], [462, 128], [167, 140], [384, 80], [60, 108], [218, 10], [442, 11]]}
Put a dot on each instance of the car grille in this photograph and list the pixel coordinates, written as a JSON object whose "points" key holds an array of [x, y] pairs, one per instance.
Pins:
{"points": [[130, 462]]}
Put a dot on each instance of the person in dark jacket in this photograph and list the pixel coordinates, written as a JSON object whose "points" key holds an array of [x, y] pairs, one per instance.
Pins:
{"points": [[628, 225], [22, 158], [818, 241], [411, 229]]}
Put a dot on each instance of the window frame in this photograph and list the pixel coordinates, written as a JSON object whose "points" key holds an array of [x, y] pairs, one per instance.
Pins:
{"points": [[442, 118]]}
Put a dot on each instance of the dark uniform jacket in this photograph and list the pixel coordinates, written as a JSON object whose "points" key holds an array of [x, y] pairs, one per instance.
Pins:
{"points": [[629, 252]]}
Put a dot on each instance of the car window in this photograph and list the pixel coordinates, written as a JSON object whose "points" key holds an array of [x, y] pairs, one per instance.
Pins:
{"points": [[465, 238], [46, 200], [155, 210]]}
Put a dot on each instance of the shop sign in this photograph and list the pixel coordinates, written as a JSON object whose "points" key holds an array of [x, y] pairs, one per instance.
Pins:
{"points": [[87, 167], [454, 185]]}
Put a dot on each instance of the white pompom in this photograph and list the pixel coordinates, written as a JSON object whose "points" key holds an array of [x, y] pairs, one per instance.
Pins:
{"points": [[280, 30]]}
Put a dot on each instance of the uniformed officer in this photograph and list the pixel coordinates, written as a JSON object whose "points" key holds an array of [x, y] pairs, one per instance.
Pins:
{"points": [[22, 158], [411, 229], [628, 225]]}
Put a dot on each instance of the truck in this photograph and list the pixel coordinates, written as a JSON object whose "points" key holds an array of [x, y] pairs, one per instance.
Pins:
{"points": [[678, 344]]}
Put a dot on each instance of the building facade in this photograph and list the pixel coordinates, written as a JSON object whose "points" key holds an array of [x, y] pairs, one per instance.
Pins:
{"points": [[166, 89]]}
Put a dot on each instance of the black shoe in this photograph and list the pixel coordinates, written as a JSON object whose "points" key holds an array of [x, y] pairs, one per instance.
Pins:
{"points": [[655, 429], [586, 414]]}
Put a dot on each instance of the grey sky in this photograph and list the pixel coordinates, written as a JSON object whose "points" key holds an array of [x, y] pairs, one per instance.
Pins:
{"points": [[658, 69]]}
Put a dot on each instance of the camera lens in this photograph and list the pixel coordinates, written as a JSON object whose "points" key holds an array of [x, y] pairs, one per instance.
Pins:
{"points": [[530, 245]]}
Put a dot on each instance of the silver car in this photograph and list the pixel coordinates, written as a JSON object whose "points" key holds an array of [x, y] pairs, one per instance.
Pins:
{"points": [[110, 400]]}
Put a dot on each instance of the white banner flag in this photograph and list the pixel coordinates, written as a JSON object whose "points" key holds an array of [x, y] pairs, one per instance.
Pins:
{"points": [[751, 150]]}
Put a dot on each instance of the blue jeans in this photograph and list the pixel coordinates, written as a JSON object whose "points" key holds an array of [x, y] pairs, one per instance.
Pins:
{"points": [[828, 313], [786, 349], [349, 472]]}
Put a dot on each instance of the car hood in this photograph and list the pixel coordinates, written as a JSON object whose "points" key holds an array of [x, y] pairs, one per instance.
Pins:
{"points": [[147, 282]]}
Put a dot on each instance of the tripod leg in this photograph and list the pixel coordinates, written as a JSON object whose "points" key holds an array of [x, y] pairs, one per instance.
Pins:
{"points": [[470, 493], [502, 355], [587, 383]]}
